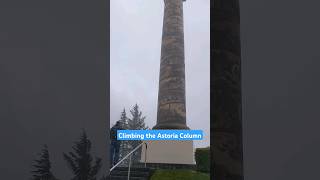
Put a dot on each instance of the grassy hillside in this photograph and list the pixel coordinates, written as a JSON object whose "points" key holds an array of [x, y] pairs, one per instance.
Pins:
{"points": [[179, 175]]}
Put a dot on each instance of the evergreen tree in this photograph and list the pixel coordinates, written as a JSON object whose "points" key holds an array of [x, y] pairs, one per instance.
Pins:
{"points": [[124, 145], [42, 166], [137, 120], [123, 119], [81, 162], [136, 123]]}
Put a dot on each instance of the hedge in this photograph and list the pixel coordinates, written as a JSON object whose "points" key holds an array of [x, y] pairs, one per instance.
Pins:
{"points": [[202, 156]]}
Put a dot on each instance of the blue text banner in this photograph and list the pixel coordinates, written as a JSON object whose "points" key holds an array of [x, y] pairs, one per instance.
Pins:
{"points": [[180, 135]]}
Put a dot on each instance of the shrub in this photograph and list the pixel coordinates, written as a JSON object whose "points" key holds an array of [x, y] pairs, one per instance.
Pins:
{"points": [[202, 156]]}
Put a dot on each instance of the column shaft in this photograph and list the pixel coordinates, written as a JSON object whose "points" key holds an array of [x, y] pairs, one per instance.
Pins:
{"points": [[171, 97]]}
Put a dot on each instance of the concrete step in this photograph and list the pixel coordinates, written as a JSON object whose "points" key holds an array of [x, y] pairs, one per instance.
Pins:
{"points": [[136, 173], [126, 178], [140, 169], [132, 173]]}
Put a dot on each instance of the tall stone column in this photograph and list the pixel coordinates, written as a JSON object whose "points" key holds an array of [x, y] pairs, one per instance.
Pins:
{"points": [[226, 132], [171, 97]]}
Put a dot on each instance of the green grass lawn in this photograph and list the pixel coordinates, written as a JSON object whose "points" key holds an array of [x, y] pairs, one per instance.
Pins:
{"points": [[179, 175]]}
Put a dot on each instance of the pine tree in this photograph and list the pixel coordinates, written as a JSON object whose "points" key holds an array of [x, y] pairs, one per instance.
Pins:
{"points": [[136, 123], [81, 162], [137, 120], [123, 119], [124, 145], [42, 166]]}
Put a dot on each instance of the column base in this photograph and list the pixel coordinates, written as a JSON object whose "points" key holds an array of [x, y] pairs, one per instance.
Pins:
{"points": [[168, 152]]}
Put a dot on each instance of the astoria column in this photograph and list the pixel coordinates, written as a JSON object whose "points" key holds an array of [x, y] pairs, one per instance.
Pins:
{"points": [[226, 129], [171, 96]]}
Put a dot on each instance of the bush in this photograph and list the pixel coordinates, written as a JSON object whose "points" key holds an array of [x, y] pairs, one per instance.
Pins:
{"points": [[202, 156]]}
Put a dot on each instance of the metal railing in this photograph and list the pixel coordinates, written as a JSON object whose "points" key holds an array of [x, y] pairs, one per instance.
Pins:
{"points": [[130, 156]]}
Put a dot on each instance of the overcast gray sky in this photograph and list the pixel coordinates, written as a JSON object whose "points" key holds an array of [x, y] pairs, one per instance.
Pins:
{"points": [[135, 42]]}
